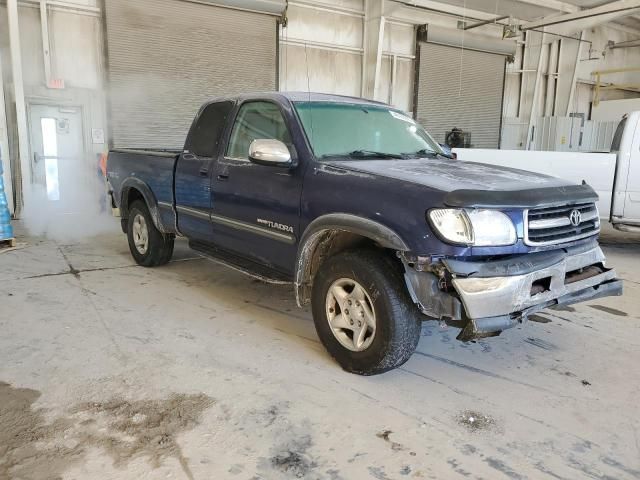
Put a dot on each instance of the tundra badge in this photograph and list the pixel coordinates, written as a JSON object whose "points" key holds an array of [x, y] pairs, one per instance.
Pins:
{"points": [[278, 226]]}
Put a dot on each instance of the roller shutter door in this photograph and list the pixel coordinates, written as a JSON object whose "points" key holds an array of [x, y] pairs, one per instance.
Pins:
{"points": [[460, 88], [167, 57]]}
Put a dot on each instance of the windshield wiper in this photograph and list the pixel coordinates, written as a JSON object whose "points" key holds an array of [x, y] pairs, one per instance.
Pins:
{"points": [[424, 151], [372, 153], [427, 151]]}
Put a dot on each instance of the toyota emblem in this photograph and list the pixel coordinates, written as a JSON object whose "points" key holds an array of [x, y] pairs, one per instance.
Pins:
{"points": [[575, 217]]}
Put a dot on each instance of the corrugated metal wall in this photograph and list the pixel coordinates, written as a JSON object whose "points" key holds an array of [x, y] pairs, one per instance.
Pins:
{"points": [[463, 89], [166, 57]]}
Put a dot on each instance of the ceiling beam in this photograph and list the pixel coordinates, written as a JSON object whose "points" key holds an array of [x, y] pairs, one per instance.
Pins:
{"points": [[418, 12], [626, 28], [563, 7], [407, 9], [606, 13]]}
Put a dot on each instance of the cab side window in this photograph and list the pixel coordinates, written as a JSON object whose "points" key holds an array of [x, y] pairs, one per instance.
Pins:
{"points": [[256, 120], [207, 130]]}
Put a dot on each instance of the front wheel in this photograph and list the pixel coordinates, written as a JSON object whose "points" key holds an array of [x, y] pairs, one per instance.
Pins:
{"points": [[148, 245], [363, 313]]}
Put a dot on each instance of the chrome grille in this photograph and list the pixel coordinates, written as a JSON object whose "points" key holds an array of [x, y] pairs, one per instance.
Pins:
{"points": [[559, 224]]}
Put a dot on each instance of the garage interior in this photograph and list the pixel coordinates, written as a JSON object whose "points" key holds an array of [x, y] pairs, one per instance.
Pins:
{"points": [[193, 370]]}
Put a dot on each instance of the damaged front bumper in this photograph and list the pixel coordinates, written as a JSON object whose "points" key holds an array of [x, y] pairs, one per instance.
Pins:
{"points": [[484, 298]]}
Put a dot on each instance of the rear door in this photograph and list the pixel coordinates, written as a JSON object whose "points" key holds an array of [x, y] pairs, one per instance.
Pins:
{"points": [[193, 171], [255, 210]]}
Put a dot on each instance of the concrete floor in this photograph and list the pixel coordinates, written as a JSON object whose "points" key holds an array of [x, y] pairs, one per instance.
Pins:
{"points": [[109, 370]]}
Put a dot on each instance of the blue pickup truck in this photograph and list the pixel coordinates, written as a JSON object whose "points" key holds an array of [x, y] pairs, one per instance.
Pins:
{"points": [[354, 204]]}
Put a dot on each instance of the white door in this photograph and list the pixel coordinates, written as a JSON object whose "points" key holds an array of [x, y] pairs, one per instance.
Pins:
{"points": [[58, 157], [66, 198]]}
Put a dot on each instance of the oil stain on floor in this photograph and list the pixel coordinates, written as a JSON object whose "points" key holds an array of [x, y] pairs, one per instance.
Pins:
{"points": [[33, 448], [21, 429]]}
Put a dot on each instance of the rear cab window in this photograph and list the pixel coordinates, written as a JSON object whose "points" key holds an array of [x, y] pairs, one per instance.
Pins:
{"points": [[205, 135]]}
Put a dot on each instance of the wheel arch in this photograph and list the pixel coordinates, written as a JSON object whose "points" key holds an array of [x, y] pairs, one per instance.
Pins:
{"points": [[333, 233], [135, 189]]}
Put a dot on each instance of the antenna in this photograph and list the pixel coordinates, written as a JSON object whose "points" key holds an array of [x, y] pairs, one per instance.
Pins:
{"points": [[306, 63]]}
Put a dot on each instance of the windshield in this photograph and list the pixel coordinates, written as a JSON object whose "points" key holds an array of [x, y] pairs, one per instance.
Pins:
{"points": [[358, 131]]}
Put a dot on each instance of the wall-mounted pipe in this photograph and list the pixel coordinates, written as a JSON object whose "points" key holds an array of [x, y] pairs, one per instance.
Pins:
{"points": [[485, 22], [628, 44]]}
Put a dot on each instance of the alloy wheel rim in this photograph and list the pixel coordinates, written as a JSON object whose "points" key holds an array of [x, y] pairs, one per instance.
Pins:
{"points": [[140, 234], [350, 314]]}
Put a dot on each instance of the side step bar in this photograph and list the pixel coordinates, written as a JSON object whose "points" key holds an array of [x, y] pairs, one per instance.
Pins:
{"points": [[240, 264]]}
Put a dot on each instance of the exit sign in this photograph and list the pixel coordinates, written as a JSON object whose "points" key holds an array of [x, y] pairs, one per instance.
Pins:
{"points": [[56, 83]]}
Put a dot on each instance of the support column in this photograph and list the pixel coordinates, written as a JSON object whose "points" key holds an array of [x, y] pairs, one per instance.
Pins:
{"points": [[535, 100], [574, 78], [552, 72], [394, 80], [23, 173], [4, 144], [373, 40]]}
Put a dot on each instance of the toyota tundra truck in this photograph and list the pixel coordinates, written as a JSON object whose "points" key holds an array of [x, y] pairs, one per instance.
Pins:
{"points": [[357, 207]]}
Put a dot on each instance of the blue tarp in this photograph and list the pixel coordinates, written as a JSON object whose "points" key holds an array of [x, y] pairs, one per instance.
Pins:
{"points": [[6, 231]]}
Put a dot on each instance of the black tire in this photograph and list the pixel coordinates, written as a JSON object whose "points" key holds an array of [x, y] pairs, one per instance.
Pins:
{"points": [[398, 321], [160, 245]]}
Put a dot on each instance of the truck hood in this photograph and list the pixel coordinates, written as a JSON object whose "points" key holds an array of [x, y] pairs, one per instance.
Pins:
{"points": [[473, 184]]}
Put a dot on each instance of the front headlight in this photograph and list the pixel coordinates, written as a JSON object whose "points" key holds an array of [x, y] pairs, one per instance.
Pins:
{"points": [[492, 228], [480, 228], [452, 224]]}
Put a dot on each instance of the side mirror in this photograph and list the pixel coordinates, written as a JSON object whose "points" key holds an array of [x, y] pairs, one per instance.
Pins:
{"points": [[269, 152]]}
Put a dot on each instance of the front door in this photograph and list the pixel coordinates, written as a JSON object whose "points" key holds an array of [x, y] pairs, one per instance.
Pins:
{"points": [[57, 153], [255, 208]]}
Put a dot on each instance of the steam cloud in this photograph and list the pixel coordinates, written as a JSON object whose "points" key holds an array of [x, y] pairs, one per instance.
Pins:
{"points": [[81, 212]]}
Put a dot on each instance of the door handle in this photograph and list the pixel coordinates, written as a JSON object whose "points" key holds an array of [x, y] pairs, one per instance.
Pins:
{"points": [[223, 177], [204, 172]]}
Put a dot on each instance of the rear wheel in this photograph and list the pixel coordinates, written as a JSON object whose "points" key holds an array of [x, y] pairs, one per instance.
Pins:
{"points": [[149, 246], [363, 313]]}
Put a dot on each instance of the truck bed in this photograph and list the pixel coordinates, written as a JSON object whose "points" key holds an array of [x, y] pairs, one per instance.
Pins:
{"points": [[152, 167]]}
